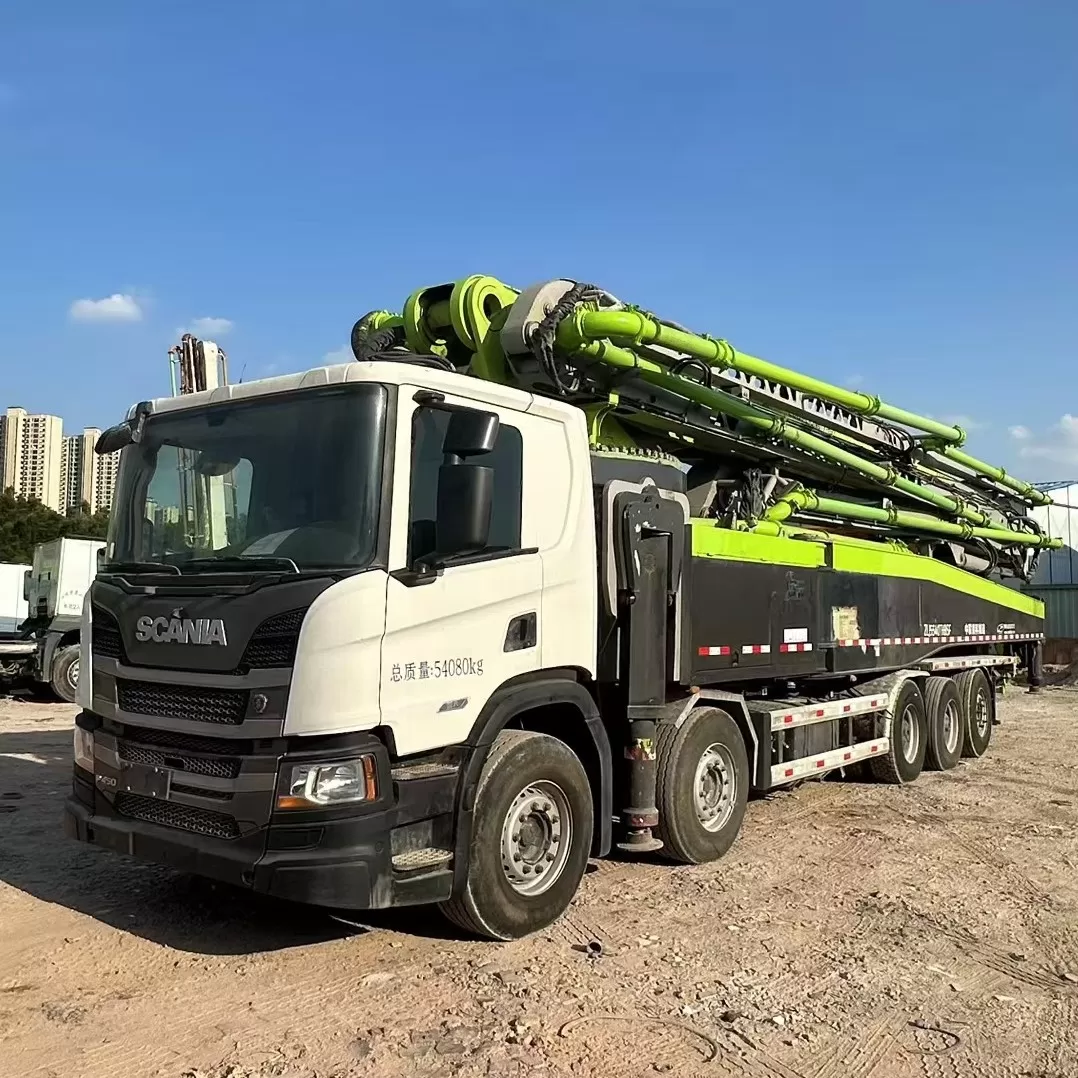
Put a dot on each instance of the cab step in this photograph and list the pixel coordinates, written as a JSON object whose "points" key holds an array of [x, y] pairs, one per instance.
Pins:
{"points": [[422, 860]]}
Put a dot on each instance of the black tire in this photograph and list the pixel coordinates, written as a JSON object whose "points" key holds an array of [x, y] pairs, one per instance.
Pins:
{"points": [[700, 814], [944, 710], [978, 711], [489, 904], [65, 673], [909, 739]]}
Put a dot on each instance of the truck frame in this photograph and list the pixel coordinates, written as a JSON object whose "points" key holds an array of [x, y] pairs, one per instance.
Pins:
{"points": [[429, 638]]}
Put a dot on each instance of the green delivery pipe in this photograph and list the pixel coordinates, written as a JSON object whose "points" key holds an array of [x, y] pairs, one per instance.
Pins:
{"points": [[801, 500], [612, 355], [997, 475], [638, 328]]}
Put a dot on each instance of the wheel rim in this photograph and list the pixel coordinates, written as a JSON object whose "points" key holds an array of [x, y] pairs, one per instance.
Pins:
{"points": [[980, 718], [537, 836], [952, 726], [714, 787], [910, 734], [73, 675]]}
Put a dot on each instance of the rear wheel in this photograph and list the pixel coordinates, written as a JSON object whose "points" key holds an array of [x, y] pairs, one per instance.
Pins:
{"points": [[978, 708], [944, 710], [65, 673], [531, 834], [702, 785], [909, 738]]}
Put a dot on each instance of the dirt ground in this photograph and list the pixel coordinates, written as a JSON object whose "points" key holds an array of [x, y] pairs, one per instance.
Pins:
{"points": [[854, 930]]}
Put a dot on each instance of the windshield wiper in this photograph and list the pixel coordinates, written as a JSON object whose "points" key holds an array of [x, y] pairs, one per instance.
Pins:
{"points": [[238, 563], [139, 567]]}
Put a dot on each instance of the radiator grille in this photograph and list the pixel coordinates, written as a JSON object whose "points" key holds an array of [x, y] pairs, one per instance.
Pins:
{"points": [[273, 643], [192, 765], [202, 791], [182, 817], [191, 702], [105, 635], [170, 739]]}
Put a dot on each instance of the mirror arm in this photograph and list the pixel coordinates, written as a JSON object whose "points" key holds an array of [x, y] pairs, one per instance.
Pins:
{"points": [[418, 575]]}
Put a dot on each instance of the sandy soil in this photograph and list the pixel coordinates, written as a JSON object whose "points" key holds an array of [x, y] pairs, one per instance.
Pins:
{"points": [[854, 930]]}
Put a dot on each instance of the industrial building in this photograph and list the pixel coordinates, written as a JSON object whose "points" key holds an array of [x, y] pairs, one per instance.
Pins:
{"points": [[1056, 579]]}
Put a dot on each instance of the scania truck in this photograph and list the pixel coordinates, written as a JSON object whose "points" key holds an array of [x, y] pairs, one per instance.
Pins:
{"points": [[539, 573]]}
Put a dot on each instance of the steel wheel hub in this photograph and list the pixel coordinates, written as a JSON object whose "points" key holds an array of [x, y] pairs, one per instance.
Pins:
{"points": [[982, 714], [73, 674], [910, 734], [951, 726], [537, 836], [714, 787]]}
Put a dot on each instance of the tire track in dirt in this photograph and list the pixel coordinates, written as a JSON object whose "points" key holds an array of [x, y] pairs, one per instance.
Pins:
{"points": [[1058, 1035]]}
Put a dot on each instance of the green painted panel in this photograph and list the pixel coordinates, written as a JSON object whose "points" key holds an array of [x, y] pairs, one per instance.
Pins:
{"points": [[711, 542], [853, 557], [859, 559]]}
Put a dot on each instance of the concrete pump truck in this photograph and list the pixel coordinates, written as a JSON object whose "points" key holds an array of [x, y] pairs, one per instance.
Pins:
{"points": [[540, 573]]}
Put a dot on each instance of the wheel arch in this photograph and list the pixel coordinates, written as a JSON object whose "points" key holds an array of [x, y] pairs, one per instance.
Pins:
{"points": [[556, 703], [734, 705]]}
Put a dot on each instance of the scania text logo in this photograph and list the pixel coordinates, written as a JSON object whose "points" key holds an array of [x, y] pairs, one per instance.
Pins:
{"points": [[177, 630]]}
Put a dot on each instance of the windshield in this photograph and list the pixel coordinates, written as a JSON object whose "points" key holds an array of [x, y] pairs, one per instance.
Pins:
{"points": [[274, 481]]}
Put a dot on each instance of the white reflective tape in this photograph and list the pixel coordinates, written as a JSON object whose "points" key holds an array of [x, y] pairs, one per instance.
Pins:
{"points": [[791, 770]]}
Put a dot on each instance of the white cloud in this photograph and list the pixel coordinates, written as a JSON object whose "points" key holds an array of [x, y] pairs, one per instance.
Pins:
{"points": [[338, 355], [1057, 446], [209, 327], [118, 307], [855, 380]]}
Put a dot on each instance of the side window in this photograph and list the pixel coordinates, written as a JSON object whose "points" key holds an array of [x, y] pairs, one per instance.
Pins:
{"points": [[507, 459]]}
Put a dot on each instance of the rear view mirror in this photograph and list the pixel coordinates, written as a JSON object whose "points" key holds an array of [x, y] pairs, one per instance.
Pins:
{"points": [[212, 467], [470, 434], [123, 434], [115, 438], [465, 498]]}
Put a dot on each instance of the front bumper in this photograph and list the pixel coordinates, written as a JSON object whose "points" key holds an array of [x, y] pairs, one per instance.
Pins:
{"points": [[334, 860]]}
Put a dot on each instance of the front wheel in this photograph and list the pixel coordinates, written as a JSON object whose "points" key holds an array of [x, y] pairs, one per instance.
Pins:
{"points": [[701, 785], [532, 831], [65, 673]]}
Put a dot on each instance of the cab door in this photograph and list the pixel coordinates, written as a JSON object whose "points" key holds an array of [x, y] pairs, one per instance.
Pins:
{"points": [[452, 638]]}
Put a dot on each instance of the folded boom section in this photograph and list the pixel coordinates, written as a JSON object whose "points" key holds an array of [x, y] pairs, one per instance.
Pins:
{"points": [[767, 449]]}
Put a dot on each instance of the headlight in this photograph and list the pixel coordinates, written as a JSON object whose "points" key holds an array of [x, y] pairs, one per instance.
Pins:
{"points": [[331, 782], [84, 749]]}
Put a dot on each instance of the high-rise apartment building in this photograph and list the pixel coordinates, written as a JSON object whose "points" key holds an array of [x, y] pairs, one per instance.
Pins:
{"points": [[85, 476], [31, 447]]}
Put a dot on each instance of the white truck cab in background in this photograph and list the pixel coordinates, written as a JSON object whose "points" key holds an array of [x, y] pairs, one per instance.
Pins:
{"points": [[54, 588]]}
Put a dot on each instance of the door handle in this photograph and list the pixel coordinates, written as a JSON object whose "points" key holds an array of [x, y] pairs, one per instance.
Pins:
{"points": [[522, 632]]}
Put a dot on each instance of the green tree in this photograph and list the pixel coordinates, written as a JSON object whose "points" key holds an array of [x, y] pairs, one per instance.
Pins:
{"points": [[25, 522]]}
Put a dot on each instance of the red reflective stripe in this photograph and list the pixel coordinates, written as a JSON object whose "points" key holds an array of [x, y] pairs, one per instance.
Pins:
{"points": [[821, 763], [789, 772], [847, 755]]}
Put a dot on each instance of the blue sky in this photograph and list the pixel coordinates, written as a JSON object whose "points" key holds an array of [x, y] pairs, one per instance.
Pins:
{"points": [[882, 194]]}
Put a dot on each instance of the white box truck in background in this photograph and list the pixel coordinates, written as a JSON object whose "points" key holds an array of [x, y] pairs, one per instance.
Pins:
{"points": [[46, 648]]}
